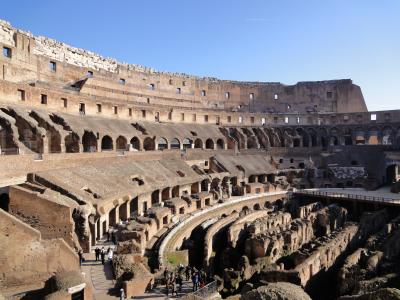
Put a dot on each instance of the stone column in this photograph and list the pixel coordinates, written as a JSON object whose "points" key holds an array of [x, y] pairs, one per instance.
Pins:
{"points": [[117, 219], [45, 145]]}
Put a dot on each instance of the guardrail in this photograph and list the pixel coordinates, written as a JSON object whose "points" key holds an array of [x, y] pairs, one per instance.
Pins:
{"points": [[204, 293], [342, 195]]}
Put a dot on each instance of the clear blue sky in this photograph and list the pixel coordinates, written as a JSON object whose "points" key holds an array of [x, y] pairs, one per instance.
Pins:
{"points": [[281, 40]]}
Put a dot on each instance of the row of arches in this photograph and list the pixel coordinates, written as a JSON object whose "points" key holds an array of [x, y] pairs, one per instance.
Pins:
{"points": [[263, 137], [90, 143]]}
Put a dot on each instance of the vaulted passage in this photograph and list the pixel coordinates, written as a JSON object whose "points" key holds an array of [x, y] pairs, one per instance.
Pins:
{"points": [[89, 142], [106, 143]]}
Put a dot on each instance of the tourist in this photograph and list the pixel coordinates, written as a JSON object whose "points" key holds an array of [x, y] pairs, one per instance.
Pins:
{"points": [[187, 273], [122, 294], [80, 254], [113, 237], [173, 286], [179, 279], [97, 253], [110, 256], [167, 284], [108, 235], [102, 255], [195, 280]]}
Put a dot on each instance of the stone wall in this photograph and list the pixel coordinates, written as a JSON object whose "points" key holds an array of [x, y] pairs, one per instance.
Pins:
{"points": [[26, 259], [31, 56], [52, 219]]}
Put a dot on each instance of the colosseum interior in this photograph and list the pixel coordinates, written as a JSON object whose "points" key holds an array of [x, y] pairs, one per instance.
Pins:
{"points": [[260, 186]]}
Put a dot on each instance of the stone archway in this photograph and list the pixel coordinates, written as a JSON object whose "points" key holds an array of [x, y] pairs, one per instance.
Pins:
{"points": [[106, 143], [198, 144], [89, 142], [162, 144], [121, 143], [71, 143], [209, 144], [135, 143], [148, 144], [220, 144]]}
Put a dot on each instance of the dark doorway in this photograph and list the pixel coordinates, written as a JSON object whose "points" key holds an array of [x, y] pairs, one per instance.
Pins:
{"points": [[391, 174], [4, 201]]}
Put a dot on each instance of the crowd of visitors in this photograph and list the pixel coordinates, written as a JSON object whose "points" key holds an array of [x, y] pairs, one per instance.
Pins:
{"points": [[174, 279]]}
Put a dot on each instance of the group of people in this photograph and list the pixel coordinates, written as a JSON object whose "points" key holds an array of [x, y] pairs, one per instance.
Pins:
{"points": [[100, 254], [174, 280]]}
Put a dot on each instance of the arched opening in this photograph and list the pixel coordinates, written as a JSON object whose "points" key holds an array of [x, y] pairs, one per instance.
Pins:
{"points": [[220, 144], [162, 144], [148, 144], [135, 143], [324, 142], [155, 197], [304, 137], [198, 144], [175, 191], [245, 209], [7, 143], [209, 144], [112, 217], [373, 136], [122, 143], [4, 201], [204, 185], [334, 141], [89, 142], [165, 194], [175, 144], [256, 206], [106, 143], [348, 140], [54, 139], [146, 234], [134, 206], [359, 137], [391, 174], [71, 143], [182, 211], [252, 142], [296, 142], [348, 137], [215, 184], [187, 143], [387, 137], [194, 188], [123, 211]]}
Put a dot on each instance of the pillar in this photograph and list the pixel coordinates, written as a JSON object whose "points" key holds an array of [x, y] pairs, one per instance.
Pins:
{"points": [[62, 145], [45, 145], [117, 219]]}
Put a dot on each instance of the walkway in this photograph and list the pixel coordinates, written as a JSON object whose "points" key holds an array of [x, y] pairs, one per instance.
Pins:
{"points": [[159, 292], [100, 275], [382, 195]]}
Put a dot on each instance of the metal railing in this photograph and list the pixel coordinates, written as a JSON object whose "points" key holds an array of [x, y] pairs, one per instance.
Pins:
{"points": [[343, 195], [204, 293]]}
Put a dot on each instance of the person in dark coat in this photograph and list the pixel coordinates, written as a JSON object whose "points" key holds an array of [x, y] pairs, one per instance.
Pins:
{"points": [[80, 254], [97, 253], [102, 255]]}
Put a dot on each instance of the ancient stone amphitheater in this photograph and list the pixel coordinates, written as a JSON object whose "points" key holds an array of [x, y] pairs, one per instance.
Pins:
{"points": [[271, 191]]}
